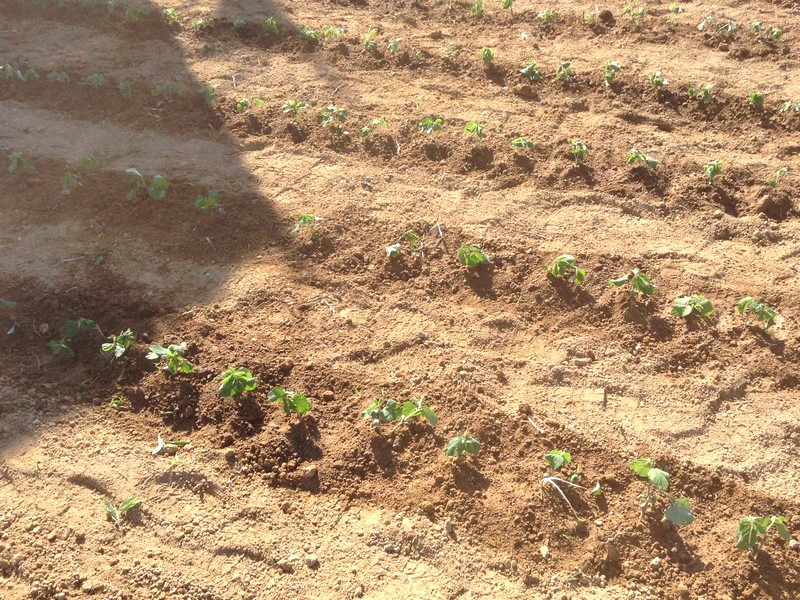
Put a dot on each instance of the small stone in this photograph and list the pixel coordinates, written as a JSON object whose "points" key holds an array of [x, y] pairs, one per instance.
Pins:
{"points": [[285, 506], [389, 549], [544, 551], [328, 396], [286, 365], [793, 544], [286, 566], [51, 537], [718, 214], [230, 454], [312, 561], [582, 362], [448, 526], [436, 35], [655, 564], [80, 537], [358, 592]]}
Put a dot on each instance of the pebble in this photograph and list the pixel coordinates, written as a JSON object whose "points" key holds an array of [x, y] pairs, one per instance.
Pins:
{"points": [[312, 561], [285, 506], [544, 551], [389, 549], [656, 563], [793, 544], [287, 365], [328, 396], [448, 526], [230, 454], [286, 566]]}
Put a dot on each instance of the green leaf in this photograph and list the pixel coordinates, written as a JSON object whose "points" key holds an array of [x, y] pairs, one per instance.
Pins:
{"points": [[409, 408], [557, 459], [679, 512], [748, 531], [780, 526], [597, 490], [471, 445], [642, 466], [391, 412], [659, 479], [619, 281], [60, 348], [158, 188], [277, 394], [300, 404], [237, 381], [129, 503], [431, 416], [73, 329], [682, 307]]}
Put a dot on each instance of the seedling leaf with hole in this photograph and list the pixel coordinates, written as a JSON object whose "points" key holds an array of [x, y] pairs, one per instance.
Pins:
{"points": [[119, 344], [291, 402], [171, 358], [461, 445], [750, 306], [686, 305], [566, 266], [472, 256], [237, 381]]}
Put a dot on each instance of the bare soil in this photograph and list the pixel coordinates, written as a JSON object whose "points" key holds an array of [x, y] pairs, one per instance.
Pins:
{"points": [[262, 505]]}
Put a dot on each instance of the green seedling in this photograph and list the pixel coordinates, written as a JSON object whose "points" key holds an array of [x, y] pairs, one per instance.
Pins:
{"points": [[119, 402], [156, 189], [125, 89], [712, 170], [89, 162], [675, 8], [508, 5], [291, 402], [239, 24], [237, 381], [596, 490], [163, 91], [171, 14], [703, 93], [686, 305], [775, 34], [9, 72], [557, 459], [294, 107], [305, 220], [773, 181], [790, 106], [382, 411], [657, 79], [307, 33], [414, 409], [472, 256], [333, 116], [640, 283], [245, 104], [632, 12], [564, 71], [547, 16], [118, 344], [728, 28], [678, 511], [475, 128], [638, 158], [749, 306], [209, 94], [270, 26], [16, 323], [118, 512], [752, 532], [209, 201], [521, 143], [756, 100], [531, 71], [69, 181], [168, 448], [450, 52], [461, 445], [199, 24], [330, 32], [394, 45], [478, 8], [94, 80], [566, 266], [171, 358], [74, 329], [61, 348], [410, 237], [17, 163], [58, 76], [487, 55], [610, 71], [757, 26], [431, 125], [369, 41], [579, 150]]}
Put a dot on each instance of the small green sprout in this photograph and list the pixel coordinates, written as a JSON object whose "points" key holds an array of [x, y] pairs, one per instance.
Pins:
{"points": [[382, 411], [472, 256], [305, 220], [564, 70], [640, 283], [678, 511], [369, 41], [73, 329], [756, 100], [579, 150], [119, 402], [686, 305], [531, 71], [209, 201], [294, 107], [547, 16], [94, 80], [157, 189], [171, 14], [775, 34], [478, 8], [118, 512], [61, 348], [461, 445], [58, 76], [487, 55], [237, 381], [610, 70], [89, 162], [414, 409], [566, 266], [270, 26], [119, 344], [245, 104], [557, 459], [632, 12], [394, 45], [657, 79], [171, 358], [704, 93], [757, 26], [475, 128], [239, 24], [790, 106], [712, 170], [750, 306], [635, 157], [675, 8], [332, 116], [395, 250], [330, 32], [209, 93], [521, 142], [752, 531], [773, 181], [199, 24], [431, 125], [69, 181], [291, 402], [307, 33], [508, 5], [17, 163], [125, 89]]}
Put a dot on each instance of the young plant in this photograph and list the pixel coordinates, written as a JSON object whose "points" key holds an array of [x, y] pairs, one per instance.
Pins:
{"points": [[333, 116], [69, 181], [640, 283], [118, 344], [508, 5], [369, 41], [170, 359], [478, 8], [675, 8], [557, 459], [564, 70], [773, 181], [521, 143], [638, 158], [394, 45], [566, 266], [475, 128], [58, 76], [305, 220], [94, 80], [431, 125], [309, 34], [657, 79], [472, 256], [414, 409], [17, 163], [125, 89], [756, 100], [157, 189], [712, 170], [487, 55], [245, 104], [209, 201], [686, 305], [462, 444], [610, 71], [239, 24], [703, 93], [790, 106], [678, 511], [117, 512], [757, 26], [171, 14], [749, 306], [291, 402], [579, 150], [237, 381], [775, 34], [531, 71], [294, 107], [752, 532], [410, 237], [547, 16], [382, 411]]}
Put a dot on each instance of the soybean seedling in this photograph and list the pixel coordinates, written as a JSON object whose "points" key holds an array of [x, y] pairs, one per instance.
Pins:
{"points": [[579, 150], [209, 201], [641, 285], [478, 8], [94, 80], [789, 106], [756, 100], [382, 411], [752, 532], [245, 104], [773, 181], [749, 306], [775, 34], [635, 157], [475, 128], [209, 94], [170, 359], [17, 163], [237, 381], [657, 79], [118, 512], [610, 71], [547, 16], [556, 459], [472, 256], [487, 55], [566, 266], [270, 26], [712, 170], [564, 71], [414, 409], [394, 45], [675, 8], [72, 331], [521, 143], [333, 116], [118, 344], [461, 445], [125, 89], [306, 220], [703, 93], [531, 71], [239, 24], [291, 402], [678, 511], [156, 189], [508, 5], [396, 249], [687, 305], [68, 181], [431, 125], [171, 14]]}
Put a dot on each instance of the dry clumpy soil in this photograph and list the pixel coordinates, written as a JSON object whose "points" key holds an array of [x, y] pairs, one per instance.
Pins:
{"points": [[263, 505]]}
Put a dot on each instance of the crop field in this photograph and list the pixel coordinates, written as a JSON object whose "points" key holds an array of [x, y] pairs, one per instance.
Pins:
{"points": [[415, 299]]}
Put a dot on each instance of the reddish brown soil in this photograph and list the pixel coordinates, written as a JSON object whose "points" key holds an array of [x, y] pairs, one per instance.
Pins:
{"points": [[524, 362]]}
